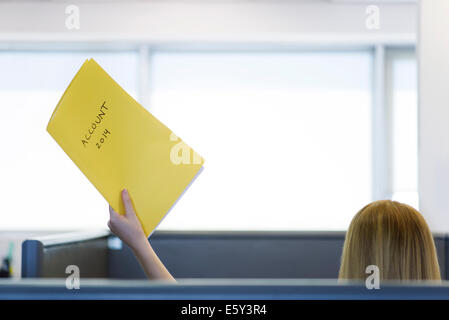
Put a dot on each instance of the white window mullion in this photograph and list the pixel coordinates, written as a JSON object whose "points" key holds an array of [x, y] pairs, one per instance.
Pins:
{"points": [[381, 129], [144, 75]]}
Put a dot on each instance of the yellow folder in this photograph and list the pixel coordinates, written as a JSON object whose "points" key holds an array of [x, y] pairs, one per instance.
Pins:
{"points": [[118, 144]]}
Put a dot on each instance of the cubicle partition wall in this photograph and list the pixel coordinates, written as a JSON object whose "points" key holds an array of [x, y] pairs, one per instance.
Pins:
{"points": [[280, 255], [49, 256]]}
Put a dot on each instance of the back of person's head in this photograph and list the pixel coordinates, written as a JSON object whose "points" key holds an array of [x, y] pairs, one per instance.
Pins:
{"points": [[392, 236]]}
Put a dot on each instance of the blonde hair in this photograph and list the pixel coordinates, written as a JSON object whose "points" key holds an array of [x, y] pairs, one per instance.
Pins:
{"points": [[394, 237]]}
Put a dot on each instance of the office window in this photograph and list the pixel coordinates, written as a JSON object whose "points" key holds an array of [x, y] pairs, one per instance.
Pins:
{"points": [[40, 186], [403, 73], [286, 137]]}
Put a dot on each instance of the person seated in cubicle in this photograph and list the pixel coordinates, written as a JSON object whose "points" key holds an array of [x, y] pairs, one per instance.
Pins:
{"points": [[387, 234]]}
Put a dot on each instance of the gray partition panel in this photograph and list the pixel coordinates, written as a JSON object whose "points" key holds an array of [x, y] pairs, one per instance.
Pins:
{"points": [[241, 254], [49, 256], [250, 254], [123, 264], [245, 254]]}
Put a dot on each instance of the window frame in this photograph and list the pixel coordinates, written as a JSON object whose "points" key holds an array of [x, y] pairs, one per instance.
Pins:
{"points": [[382, 54], [393, 54]]}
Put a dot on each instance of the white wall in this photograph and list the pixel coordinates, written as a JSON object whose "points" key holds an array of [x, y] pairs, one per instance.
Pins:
{"points": [[434, 113], [204, 20]]}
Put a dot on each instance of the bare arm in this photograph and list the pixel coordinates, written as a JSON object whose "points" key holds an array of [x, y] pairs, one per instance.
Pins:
{"points": [[128, 228]]}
